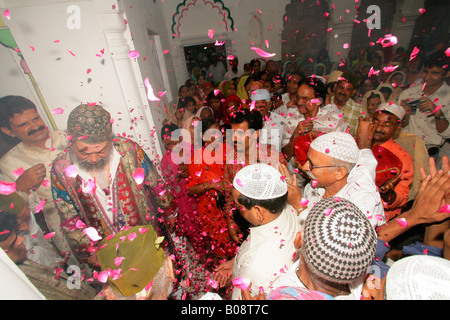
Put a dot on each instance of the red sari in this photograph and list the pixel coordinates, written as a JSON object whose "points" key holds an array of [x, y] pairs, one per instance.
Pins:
{"points": [[214, 225]]}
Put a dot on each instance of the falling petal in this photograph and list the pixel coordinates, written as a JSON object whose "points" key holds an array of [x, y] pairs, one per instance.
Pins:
{"points": [[58, 111], [166, 51], [103, 276], [445, 208], [7, 188], [133, 54], [118, 261], [89, 186], [49, 235], [211, 33], [73, 54], [414, 53], [71, 171], [304, 202], [45, 183], [18, 172], [402, 222], [239, 182], [150, 95], [6, 14], [241, 283], [92, 234], [132, 236], [40, 206], [388, 40], [389, 68], [139, 175], [328, 211], [80, 224], [263, 53]]}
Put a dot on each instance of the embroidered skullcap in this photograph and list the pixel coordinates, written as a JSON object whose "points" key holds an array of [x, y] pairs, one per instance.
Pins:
{"points": [[260, 94], [260, 181], [393, 108], [338, 241], [419, 277], [297, 293], [131, 259], [89, 123], [338, 145]]}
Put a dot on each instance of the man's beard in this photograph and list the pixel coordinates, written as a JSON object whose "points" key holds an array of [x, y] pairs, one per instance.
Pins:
{"points": [[89, 166]]}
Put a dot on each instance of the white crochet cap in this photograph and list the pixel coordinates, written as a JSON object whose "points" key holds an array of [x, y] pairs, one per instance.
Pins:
{"points": [[419, 277], [260, 94], [260, 181], [338, 145], [393, 108]]}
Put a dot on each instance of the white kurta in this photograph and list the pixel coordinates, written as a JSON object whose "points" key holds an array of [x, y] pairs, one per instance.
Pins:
{"points": [[267, 252], [360, 189], [25, 156], [424, 124]]}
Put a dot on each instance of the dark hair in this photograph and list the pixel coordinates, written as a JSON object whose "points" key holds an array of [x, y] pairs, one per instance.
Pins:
{"points": [[320, 90], [253, 118], [11, 105], [167, 130], [374, 95], [181, 87], [274, 206], [436, 59], [386, 90], [206, 124], [8, 222]]}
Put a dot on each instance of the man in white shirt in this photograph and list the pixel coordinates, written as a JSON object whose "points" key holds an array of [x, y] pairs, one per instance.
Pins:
{"points": [[261, 194], [341, 167], [28, 163], [234, 71], [273, 123], [428, 117]]}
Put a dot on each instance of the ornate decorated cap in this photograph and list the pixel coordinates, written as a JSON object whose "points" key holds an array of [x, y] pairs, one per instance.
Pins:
{"points": [[90, 124], [132, 258], [338, 241]]}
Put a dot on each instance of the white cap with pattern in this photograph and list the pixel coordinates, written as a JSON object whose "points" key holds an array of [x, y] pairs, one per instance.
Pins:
{"points": [[338, 145], [260, 181]]}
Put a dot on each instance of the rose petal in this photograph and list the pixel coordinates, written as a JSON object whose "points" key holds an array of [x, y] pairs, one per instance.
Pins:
{"points": [[92, 234], [133, 54], [139, 175], [241, 283], [7, 188], [18, 172], [71, 171], [49, 235], [262, 53], [118, 261], [150, 95]]}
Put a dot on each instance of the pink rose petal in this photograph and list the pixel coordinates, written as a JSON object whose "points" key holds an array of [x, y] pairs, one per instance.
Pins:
{"points": [[103, 276], [92, 234], [304, 202], [133, 54], [49, 235], [211, 33], [445, 208], [241, 283], [139, 175], [18, 172], [402, 222], [150, 95], [80, 224], [6, 14], [118, 261], [71, 171], [262, 53], [7, 188]]}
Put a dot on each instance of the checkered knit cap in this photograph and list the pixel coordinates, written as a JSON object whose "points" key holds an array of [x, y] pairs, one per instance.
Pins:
{"points": [[338, 241], [91, 123], [338, 145]]}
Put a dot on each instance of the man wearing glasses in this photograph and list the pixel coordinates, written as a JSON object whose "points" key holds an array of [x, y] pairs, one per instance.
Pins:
{"points": [[343, 168]]}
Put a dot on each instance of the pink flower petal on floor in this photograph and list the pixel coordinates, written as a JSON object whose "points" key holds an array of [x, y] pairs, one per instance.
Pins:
{"points": [[7, 188], [262, 53], [133, 54], [18, 172], [139, 175], [241, 283], [92, 234], [71, 171]]}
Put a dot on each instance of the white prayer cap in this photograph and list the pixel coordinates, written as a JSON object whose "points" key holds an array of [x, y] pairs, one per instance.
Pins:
{"points": [[260, 94], [393, 108], [338, 145], [419, 277], [260, 181]]}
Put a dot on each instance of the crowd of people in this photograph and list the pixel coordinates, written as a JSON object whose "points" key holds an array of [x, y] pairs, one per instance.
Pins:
{"points": [[279, 181]]}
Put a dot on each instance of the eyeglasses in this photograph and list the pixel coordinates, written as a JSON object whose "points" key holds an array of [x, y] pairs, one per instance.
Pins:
{"points": [[312, 167]]}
